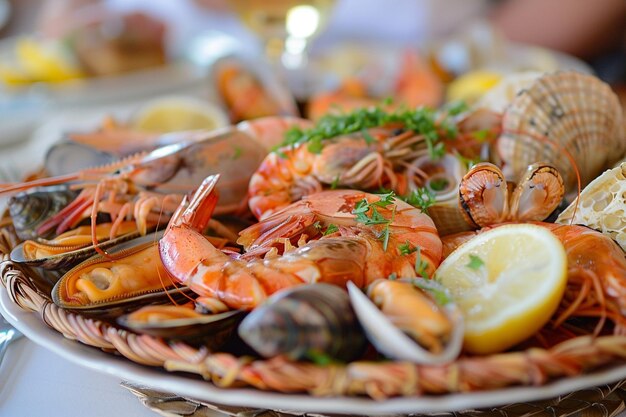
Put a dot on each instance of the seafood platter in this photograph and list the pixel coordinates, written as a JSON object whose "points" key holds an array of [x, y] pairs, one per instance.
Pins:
{"points": [[399, 255]]}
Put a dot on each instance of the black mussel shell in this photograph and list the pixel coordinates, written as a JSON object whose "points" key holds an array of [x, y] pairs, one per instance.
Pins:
{"points": [[305, 321]]}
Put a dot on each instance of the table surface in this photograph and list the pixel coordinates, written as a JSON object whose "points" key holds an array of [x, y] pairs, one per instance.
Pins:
{"points": [[36, 382]]}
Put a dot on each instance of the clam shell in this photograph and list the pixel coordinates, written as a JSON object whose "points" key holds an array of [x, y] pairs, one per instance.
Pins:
{"points": [[601, 206], [537, 194], [393, 343], [31, 208], [484, 195], [306, 319], [559, 114], [179, 322], [116, 304]]}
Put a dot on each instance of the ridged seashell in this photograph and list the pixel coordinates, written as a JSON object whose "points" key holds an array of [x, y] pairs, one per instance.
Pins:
{"points": [[486, 198], [484, 195], [130, 277], [180, 322], [305, 320], [602, 205], [443, 179], [410, 324], [562, 114], [31, 208]]}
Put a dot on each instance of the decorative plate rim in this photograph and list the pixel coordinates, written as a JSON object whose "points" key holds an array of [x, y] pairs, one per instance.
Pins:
{"points": [[33, 327]]}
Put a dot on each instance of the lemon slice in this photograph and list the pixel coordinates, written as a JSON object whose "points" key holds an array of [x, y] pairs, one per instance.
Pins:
{"points": [[471, 86], [45, 61], [507, 282], [174, 114]]}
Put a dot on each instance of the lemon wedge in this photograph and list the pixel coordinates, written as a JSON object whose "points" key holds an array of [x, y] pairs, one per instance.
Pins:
{"points": [[174, 114], [471, 86], [45, 61], [508, 282]]}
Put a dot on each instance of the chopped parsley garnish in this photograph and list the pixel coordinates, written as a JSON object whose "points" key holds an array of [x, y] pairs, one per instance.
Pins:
{"points": [[481, 135], [406, 248], [317, 225], [422, 198], [392, 277], [237, 153], [331, 229], [423, 121], [435, 289], [335, 183], [319, 358], [475, 262], [457, 107], [421, 266], [439, 184], [367, 213]]}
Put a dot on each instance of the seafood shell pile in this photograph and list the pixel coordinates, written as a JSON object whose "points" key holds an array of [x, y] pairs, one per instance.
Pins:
{"points": [[280, 247]]}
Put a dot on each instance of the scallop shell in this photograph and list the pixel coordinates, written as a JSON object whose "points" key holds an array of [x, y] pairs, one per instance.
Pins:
{"points": [[31, 208], [559, 114], [602, 205], [393, 342], [445, 212], [306, 319]]}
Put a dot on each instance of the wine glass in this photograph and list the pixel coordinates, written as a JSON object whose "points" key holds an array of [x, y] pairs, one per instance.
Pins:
{"points": [[286, 28]]}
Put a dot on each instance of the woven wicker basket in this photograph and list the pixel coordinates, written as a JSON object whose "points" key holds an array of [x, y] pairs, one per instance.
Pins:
{"points": [[378, 380]]}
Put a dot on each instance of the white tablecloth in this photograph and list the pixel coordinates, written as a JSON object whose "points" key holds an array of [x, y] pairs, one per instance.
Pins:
{"points": [[35, 382]]}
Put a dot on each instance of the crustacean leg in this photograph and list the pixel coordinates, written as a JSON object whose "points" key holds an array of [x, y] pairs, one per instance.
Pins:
{"points": [[329, 245]]}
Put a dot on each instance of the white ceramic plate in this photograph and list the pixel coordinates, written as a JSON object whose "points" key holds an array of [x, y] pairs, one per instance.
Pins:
{"points": [[31, 325]]}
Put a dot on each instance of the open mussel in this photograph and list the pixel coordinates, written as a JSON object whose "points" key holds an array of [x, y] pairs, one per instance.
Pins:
{"points": [[129, 276], [412, 320], [30, 209], [181, 322], [305, 321], [71, 247]]}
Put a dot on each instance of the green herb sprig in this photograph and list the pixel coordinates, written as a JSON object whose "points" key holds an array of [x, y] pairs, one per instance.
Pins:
{"points": [[435, 289], [424, 121], [332, 228], [422, 198], [475, 262], [406, 249], [421, 266], [367, 213]]}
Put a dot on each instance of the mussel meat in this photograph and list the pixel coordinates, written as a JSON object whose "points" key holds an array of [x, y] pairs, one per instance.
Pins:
{"points": [[72, 247], [131, 275], [404, 321]]}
